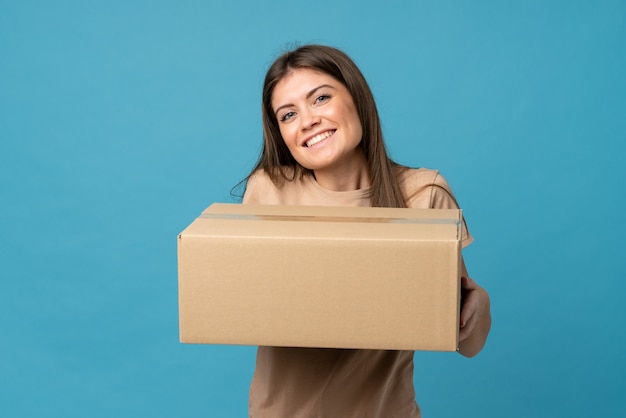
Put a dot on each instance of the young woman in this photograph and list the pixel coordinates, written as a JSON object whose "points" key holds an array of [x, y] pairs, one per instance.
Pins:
{"points": [[323, 145]]}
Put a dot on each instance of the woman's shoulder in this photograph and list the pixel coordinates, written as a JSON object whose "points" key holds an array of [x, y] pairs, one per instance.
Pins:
{"points": [[426, 187], [275, 180], [421, 177], [257, 185], [259, 176], [266, 188]]}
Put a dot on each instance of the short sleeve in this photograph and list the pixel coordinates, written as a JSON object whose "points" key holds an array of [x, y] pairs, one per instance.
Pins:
{"points": [[442, 198]]}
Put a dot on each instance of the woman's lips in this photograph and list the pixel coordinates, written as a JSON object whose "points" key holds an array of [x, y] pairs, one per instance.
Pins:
{"points": [[318, 138]]}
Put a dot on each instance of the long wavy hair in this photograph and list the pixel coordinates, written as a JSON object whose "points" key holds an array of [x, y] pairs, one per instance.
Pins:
{"points": [[275, 157]]}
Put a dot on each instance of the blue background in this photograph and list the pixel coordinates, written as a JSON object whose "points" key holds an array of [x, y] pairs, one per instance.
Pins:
{"points": [[121, 120]]}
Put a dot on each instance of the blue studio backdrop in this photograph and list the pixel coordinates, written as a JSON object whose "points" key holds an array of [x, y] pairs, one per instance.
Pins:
{"points": [[121, 120]]}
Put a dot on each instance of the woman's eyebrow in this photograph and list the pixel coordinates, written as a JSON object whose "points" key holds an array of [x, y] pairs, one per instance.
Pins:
{"points": [[308, 96], [312, 92]]}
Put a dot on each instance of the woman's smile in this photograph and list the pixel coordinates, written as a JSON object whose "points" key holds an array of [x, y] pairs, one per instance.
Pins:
{"points": [[318, 138]]}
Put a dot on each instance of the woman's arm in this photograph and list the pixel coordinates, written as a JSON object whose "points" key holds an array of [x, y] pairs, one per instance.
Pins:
{"points": [[475, 320]]}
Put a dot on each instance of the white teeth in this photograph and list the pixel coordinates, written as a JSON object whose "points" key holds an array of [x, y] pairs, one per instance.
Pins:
{"points": [[319, 138]]}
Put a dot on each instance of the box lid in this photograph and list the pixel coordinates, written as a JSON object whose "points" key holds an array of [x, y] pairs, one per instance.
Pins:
{"points": [[316, 221]]}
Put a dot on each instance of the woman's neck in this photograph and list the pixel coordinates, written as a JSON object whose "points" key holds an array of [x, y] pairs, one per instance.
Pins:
{"points": [[346, 177]]}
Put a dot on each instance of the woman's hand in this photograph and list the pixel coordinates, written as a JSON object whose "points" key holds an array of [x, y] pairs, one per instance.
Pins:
{"points": [[475, 320]]}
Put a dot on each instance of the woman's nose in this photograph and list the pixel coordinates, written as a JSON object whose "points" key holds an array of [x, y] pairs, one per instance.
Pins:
{"points": [[309, 119]]}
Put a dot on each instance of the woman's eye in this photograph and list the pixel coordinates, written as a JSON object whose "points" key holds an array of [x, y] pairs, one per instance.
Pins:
{"points": [[322, 98], [287, 116]]}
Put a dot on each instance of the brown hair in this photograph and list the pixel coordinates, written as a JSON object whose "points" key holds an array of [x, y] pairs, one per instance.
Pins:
{"points": [[276, 159]]}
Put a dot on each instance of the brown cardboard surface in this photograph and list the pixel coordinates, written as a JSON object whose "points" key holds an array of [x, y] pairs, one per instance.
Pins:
{"points": [[336, 277]]}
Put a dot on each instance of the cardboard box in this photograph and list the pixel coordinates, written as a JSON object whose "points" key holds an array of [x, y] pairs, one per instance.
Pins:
{"points": [[336, 277]]}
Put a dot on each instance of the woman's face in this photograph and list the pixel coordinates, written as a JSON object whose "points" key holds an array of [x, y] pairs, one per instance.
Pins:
{"points": [[318, 120]]}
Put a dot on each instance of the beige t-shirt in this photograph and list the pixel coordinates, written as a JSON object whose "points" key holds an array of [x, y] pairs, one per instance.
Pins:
{"points": [[321, 382]]}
